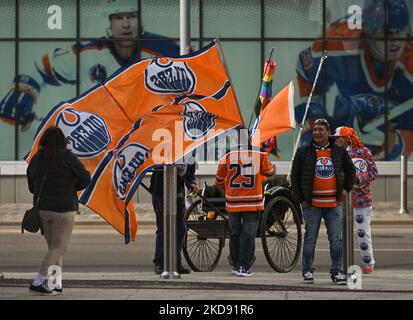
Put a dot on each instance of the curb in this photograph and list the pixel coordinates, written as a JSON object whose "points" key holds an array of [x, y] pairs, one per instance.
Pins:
{"points": [[189, 285], [153, 223], [80, 223]]}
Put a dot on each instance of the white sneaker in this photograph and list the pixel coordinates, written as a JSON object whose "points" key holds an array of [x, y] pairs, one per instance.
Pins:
{"points": [[308, 277], [235, 271], [244, 272], [339, 278]]}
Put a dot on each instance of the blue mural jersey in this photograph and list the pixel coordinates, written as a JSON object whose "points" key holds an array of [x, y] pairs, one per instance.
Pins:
{"points": [[360, 84]]}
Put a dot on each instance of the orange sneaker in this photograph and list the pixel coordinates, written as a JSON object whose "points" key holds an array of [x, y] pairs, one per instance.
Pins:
{"points": [[368, 269]]}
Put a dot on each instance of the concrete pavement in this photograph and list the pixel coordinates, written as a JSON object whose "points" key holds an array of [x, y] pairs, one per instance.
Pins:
{"points": [[383, 284], [145, 285]]}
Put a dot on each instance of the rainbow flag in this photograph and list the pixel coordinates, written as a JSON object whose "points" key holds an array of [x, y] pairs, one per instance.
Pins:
{"points": [[278, 117], [264, 98]]}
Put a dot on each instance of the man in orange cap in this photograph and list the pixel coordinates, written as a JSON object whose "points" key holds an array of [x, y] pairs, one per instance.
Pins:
{"points": [[366, 172]]}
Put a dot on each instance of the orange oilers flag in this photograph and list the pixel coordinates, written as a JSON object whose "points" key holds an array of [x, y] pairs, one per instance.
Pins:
{"points": [[98, 123], [167, 135], [94, 121], [276, 118]]}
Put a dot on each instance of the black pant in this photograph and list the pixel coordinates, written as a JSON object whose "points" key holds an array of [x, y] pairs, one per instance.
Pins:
{"points": [[157, 201]]}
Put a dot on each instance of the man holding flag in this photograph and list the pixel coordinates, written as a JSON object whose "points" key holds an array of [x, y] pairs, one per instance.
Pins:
{"points": [[185, 177]]}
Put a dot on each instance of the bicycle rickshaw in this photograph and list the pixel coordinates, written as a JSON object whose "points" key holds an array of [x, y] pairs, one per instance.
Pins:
{"points": [[279, 229]]}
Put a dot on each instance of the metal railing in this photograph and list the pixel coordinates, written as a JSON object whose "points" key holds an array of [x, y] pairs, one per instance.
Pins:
{"points": [[403, 185]]}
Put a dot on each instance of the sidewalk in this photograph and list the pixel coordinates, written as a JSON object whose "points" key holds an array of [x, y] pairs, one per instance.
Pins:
{"points": [[12, 214], [380, 285]]}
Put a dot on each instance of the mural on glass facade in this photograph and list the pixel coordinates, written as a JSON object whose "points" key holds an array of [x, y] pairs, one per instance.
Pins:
{"points": [[358, 71], [368, 72], [56, 67]]}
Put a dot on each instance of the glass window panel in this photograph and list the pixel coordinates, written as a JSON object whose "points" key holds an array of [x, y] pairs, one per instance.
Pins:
{"points": [[95, 21], [162, 17], [294, 18], [7, 53], [243, 60], [100, 59], [399, 130], [224, 18], [353, 84], [36, 22], [52, 66], [7, 19], [399, 15], [341, 20], [342, 24]]}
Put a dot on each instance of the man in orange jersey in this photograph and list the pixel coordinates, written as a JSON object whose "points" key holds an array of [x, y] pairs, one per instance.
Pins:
{"points": [[322, 176], [241, 172]]}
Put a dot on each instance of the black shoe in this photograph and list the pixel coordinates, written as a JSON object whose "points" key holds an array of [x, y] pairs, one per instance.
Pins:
{"points": [[183, 270], [308, 277], [339, 278], [42, 290], [58, 290], [158, 269]]}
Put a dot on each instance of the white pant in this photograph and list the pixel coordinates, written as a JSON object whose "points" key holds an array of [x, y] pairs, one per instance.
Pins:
{"points": [[362, 218]]}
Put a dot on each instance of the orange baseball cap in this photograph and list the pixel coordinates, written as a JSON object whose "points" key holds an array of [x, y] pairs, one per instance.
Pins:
{"points": [[343, 132]]}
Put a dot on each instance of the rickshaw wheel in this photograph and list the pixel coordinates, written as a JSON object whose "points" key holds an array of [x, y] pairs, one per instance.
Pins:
{"points": [[281, 235], [201, 253]]}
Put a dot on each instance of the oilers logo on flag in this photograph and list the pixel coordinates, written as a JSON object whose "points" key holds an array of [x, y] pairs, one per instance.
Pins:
{"points": [[86, 133], [324, 168], [169, 77], [197, 121], [127, 161]]}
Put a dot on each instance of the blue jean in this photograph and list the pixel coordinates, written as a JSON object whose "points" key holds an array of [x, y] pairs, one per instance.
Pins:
{"points": [[157, 202], [333, 218], [243, 229]]}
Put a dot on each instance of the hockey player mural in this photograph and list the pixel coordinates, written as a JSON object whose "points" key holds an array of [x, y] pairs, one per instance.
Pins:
{"points": [[360, 69], [124, 42]]}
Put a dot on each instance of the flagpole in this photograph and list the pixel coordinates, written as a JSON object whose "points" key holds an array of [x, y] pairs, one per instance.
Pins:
{"points": [[170, 172], [259, 90], [307, 106]]}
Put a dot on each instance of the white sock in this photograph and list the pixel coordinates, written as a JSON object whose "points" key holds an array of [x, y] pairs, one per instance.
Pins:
{"points": [[38, 280]]}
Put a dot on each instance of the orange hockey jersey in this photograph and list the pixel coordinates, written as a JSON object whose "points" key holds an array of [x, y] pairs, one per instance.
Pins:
{"points": [[325, 181], [241, 173]]}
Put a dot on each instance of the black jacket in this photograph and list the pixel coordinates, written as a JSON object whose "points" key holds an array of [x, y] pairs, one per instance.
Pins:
{"points": [[66, 176], [303, 169], [186, 171]]}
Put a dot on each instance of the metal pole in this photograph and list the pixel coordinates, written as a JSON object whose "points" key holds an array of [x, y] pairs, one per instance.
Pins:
{"points": [[169, 184], [184, 27], [348, 236], [403, 185], [307, 106], [169, 226]]}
